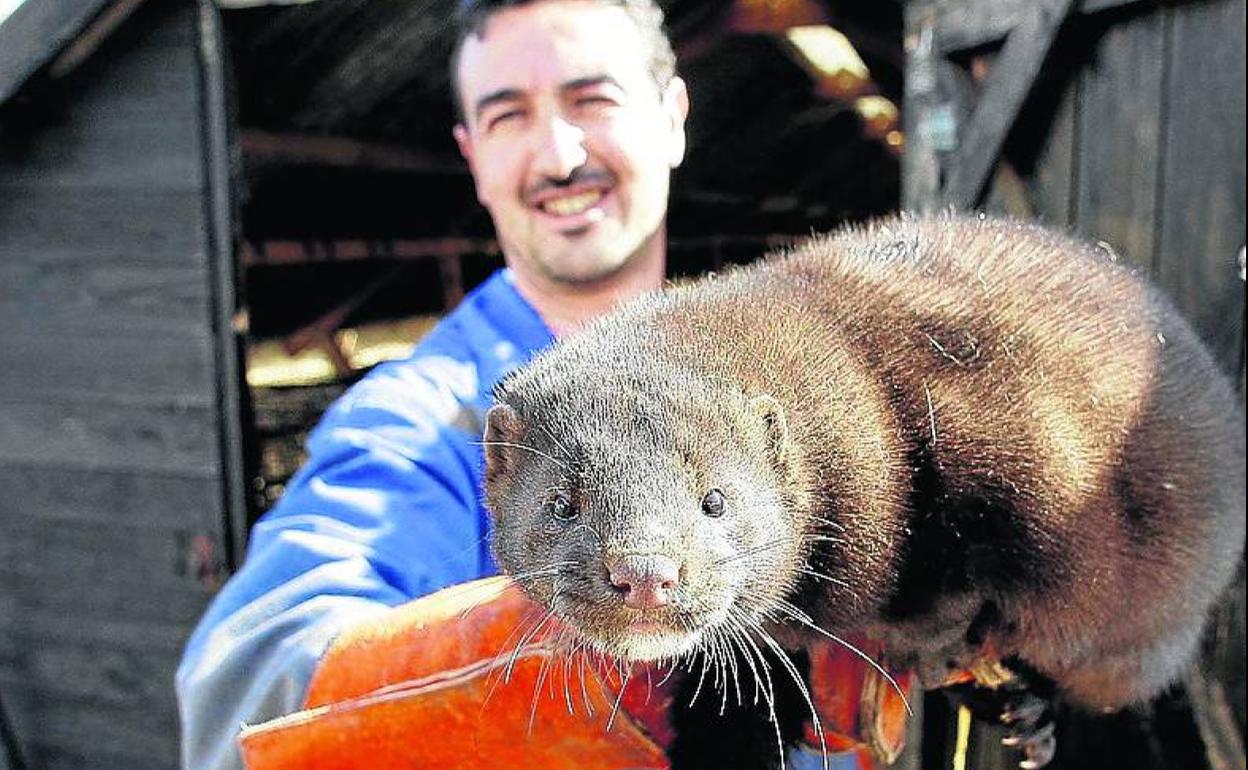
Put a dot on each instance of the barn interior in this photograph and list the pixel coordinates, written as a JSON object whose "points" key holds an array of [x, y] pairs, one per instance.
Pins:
{"points": [[358, 217]]}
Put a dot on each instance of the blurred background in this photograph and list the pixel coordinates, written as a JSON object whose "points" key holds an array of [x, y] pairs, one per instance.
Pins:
{"points": [[216, 216]]}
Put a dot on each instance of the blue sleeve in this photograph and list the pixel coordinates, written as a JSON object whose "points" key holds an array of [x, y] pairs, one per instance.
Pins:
{"points": [[387, 508]]}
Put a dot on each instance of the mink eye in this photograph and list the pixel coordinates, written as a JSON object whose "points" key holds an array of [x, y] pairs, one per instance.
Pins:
{"points": [[561, 508], [713, 504]]}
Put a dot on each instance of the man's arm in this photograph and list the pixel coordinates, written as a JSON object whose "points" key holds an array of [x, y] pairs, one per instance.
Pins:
{"points": [[385, 510]]}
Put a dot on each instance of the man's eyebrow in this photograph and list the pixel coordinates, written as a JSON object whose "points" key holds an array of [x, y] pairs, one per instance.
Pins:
{"points": [[589, 82], [494, 97]]}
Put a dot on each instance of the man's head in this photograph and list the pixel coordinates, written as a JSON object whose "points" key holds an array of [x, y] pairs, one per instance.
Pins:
{"points": [[572, 119]]}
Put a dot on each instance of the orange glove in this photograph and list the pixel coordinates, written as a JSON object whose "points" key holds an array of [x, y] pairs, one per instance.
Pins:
{"points": [[439, 683]]}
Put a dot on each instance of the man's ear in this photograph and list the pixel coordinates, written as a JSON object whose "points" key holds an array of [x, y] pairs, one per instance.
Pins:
{"points": [[676, 104], [463, 139], [503, 432]]}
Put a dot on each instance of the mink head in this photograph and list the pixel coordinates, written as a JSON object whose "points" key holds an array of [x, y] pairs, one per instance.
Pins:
{"points": [[644, 503]]}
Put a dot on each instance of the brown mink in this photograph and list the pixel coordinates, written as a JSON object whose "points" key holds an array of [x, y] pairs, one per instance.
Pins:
{"points": [[960, 436]]}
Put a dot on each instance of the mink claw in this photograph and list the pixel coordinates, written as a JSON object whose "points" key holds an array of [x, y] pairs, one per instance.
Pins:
{"points": [[1030, 728], [1027, 711]]}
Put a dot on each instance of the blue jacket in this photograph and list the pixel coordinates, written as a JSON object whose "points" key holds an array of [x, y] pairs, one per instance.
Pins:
{"points": [[387, 508]]}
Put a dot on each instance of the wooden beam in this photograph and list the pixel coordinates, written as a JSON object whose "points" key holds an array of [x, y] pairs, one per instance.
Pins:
{"points": [[264, 148], [974, 23], [1005, 90], [320, 332], [227, 341], [93, 37], [276, 252], [34, 33], [927, 117], [389, 55]]}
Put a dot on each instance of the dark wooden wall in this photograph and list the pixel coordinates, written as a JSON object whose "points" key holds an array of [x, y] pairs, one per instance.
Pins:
{"points": [[1133, 135], [1144, 110], [113, 435]]}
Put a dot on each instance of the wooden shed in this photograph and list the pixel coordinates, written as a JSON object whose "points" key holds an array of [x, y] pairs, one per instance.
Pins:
{"points": [[183, 181], [118, 381]]}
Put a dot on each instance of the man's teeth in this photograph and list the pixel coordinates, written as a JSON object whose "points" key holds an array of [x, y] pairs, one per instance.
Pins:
{"points": [[573, 204]]}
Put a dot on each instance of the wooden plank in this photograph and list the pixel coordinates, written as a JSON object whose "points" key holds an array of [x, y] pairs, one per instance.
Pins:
{"points": [[84, 735], [57, 295], [108, 678], [34, 33], [176, 601], [109, 436], [134, 83], [127, 226], [1120, 122], [157, 152], [39, 625], [57, 758], [1052, 177], [262, 149], [80, 553], [157, 502], [1006, 89], [1203, 206], [96, 366]]}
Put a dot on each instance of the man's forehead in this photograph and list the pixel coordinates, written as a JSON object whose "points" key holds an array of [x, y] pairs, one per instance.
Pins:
{"points": [[552, 43]]}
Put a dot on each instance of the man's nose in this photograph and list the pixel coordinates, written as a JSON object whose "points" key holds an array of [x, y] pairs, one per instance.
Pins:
{"points": [[645, 581], [561, 149]]}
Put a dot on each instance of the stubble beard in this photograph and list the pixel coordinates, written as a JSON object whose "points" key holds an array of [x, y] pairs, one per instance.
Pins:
{"points": [[580, 266]]}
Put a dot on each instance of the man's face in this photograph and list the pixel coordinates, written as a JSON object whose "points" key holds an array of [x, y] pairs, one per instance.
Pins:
{"points": [[569, 139]]}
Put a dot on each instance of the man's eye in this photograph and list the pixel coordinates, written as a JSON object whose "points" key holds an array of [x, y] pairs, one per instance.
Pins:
{"points": [[503, 118], [595, 101]]}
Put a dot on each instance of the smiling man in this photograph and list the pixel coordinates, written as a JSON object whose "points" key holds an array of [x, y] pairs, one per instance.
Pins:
{"points": [[572, 120]]}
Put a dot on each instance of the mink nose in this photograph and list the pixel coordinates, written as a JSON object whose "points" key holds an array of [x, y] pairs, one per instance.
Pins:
{"points": [[645, 582]]}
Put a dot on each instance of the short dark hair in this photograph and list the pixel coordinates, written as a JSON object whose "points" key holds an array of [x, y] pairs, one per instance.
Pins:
{"points": [[472, 15]]}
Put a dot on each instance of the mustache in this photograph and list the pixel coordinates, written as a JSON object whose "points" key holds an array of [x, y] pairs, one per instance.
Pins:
{"points": [[580, 176]]}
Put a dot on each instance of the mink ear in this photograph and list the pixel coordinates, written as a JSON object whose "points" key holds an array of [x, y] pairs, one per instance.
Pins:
{"points": [[503, 429], [769, 411]]}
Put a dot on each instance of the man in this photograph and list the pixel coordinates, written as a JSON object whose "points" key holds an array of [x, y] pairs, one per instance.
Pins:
{"points": [[572, 119]]}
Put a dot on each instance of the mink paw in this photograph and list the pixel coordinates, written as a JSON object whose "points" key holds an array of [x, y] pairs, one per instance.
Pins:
{"points": [[1029, 727], [1026, 716]]}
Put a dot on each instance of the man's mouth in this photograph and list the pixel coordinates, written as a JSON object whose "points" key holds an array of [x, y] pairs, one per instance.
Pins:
{"points": [[572, 205]]}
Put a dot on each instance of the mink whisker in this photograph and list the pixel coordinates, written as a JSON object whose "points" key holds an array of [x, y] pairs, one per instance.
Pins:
{"points": [[624, 679], [537, 690], [801, 686], [550, 435], [828, 523], [525, 640], [527, 448], [804, 619], [737, 620], [823, 539], [752, 550], [820, 576]]}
